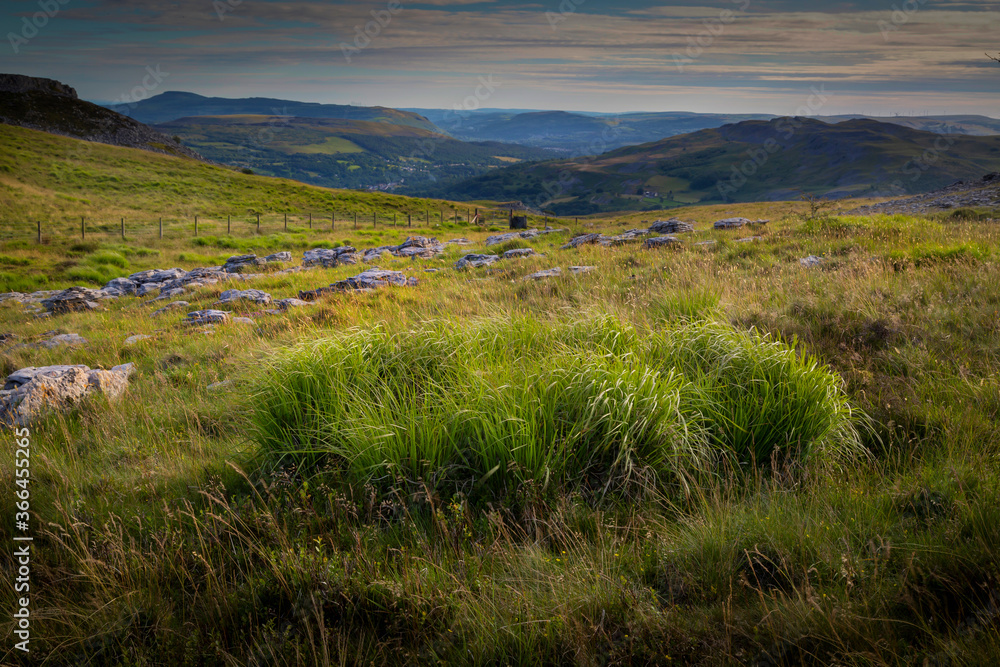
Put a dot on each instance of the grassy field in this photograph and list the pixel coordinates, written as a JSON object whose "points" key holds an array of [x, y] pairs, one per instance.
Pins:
{"points": [[706, 455]]}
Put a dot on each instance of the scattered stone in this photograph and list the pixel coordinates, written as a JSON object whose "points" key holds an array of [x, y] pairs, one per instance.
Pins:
{"points": [[242, 320], [706, 243], [731, 223], [368, 280], [748, 239], [132, 340], [15, 296], [582, 269], [518, 253], [244, 264], [253, 295], [671, 226], [216, 386], [419, 246], [547, 273], [71, 300], [661, 242], [330, 257], [285, 304], [476, 261], [170, 293], [583, 239], [283, 256], [174, 305], [460, 242], [983, 193], [64, 339], [811, 260], [207, 316], [146, 288], [27, 393]]}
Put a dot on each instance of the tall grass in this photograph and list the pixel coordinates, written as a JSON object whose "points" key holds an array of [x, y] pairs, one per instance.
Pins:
{"points": [[592, 406]]}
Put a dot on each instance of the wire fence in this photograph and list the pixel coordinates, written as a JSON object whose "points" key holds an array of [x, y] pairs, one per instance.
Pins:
{"points": [[241, 226]]}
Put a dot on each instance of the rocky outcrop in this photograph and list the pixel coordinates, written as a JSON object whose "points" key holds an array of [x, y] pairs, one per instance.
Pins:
{"points": [[526, 234], [662, 242], [73, 299], [583, 239], [518, 253], [414, 246], [368, 280], [29, 392], [547, 273], [18, 83], [244, 264]]}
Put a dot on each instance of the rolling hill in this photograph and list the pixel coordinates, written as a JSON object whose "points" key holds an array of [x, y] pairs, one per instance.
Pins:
{"points": [[334, 152], [748, 161], [172, 105]]}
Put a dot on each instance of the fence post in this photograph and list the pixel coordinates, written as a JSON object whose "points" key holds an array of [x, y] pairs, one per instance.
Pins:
{"points": [[123, 229], [161, 228], [286, 222], [83, 229], [258, 223], [333, 221], [441, 215], [39, 232], [229, 220], [310, 221], [394, 219], [196, 225], [355, 219], [408, 220], [374, 219]]}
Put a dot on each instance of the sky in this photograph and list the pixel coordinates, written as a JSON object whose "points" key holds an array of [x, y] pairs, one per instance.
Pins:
{"points": [[907, 57]]}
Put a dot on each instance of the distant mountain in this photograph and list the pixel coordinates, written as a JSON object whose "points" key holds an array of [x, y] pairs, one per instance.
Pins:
{"points": [[341, 153], [748, 161], [981, 126], [50, 106], [575, 133], [172, 105]]}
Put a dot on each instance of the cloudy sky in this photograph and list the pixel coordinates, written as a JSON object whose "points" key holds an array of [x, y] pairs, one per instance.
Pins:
{"points": [[887, 56]]}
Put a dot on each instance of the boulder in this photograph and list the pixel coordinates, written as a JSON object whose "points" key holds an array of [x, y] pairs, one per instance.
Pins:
{"points": [[283, 256], [419, 246], [71, 300], [207, 316], [285, 304], [330, 257], [242, 320], [518, 253], [631, 236], [64, 339], [671, 226], [253, 295], [27, 393], [731, 223], [583, 239], [547, 273], [476, 261], [120, 287], [582, 269], [132, 340], [811, 260], [662, 242], [244, 264]]}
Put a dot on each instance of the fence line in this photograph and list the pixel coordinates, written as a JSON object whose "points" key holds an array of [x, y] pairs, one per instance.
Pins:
{"points": [[248, 226]]}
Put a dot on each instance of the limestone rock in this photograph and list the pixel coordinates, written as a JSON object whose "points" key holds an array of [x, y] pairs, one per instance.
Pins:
{"points": [[547, 273], [64, 339], [242, 320], [518, 253], [207, 316], [71, 300], [662, 242], [810, 261], [120, 287], [368, 280], [243, 264], [253, 295], [283, 256], [476, 261], [583, 239], [138, 338], [671, 226], [731, 223], [582, 269], [27, 393], [330, 257], [285, 304]]}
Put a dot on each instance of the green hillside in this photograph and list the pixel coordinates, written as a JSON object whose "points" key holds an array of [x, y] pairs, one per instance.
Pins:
{"points": [[52, 178], [334, 152], [779, 160]]}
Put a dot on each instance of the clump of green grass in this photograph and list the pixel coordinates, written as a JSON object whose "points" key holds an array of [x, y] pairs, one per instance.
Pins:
{"points": [[13, 282], [592, 406], [9, 260], [108, 258]]}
